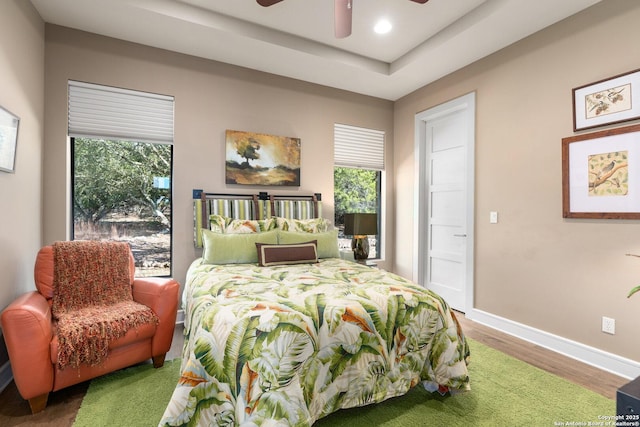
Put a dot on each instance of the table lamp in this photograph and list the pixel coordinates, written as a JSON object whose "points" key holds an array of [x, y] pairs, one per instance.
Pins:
{"points": [[360, 225]]}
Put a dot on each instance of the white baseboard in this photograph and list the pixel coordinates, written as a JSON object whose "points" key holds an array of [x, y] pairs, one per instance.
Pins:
{"points": [[609, 362], [180, 317]]}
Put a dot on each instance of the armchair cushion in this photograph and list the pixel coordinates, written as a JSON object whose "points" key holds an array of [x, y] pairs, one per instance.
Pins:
{"points": [[141, 333], [43, 271], [92, 300]]}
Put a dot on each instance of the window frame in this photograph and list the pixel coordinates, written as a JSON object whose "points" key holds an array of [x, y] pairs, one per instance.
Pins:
{"points": [[171, 195], [370, 145], [363, 148], [96, 111], [380, 176]]}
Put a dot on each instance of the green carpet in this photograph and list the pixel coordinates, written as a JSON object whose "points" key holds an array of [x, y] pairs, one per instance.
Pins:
{"points": [[130, 397], [504, 392]]}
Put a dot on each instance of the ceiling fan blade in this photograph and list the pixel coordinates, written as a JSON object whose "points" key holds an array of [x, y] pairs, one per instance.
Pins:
{"points": [[420, 1], [267, 3], [342, 18]]}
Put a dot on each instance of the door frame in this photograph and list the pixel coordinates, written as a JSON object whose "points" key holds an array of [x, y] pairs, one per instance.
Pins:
{"points": [[467, 104]]}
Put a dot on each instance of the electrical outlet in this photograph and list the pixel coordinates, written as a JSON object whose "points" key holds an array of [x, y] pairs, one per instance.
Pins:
{"points": [[608, 325], [493, 217]]}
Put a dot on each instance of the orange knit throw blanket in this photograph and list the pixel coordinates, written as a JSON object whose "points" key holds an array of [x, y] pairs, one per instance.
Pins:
{"points": [[92, 300]]}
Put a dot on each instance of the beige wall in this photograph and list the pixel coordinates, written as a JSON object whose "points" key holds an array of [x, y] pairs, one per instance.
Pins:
{"points": [[22, 93], [210, 97], [534, 267]]}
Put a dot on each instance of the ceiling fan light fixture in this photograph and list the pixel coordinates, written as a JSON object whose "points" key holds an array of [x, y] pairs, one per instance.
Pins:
{"points": [[267, 3], [383, 26], [343, 10]]}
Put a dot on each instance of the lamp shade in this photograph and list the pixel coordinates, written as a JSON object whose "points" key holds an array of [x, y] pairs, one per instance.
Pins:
{"points": [[360, 224]]}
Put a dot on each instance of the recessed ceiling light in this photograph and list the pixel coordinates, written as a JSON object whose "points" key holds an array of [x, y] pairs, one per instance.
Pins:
{"points": [[382, 27]]}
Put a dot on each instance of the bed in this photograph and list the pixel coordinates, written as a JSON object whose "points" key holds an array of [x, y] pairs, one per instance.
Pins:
{"points": [[288, 332]]}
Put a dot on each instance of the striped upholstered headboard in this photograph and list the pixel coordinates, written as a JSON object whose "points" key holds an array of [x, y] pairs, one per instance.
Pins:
{"points": [[251, 206]]}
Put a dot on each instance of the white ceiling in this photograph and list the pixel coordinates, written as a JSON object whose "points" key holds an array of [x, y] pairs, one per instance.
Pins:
{"points": [[294, 38]]}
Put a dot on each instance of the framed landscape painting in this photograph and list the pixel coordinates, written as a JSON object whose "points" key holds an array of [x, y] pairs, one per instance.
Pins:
{"points": [[601, 174], [259, 159], [613, 100]]}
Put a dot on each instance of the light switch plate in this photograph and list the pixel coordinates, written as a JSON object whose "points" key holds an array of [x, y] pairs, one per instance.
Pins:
{"points": [[493, 217]]}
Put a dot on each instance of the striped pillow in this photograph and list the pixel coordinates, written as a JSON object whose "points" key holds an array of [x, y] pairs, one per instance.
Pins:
{"points": [[296, 253], [233, 208], [298, 209]]}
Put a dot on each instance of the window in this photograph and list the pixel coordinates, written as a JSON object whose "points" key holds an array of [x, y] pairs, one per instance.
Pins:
{"points": [[358, 173], [121, 150]]}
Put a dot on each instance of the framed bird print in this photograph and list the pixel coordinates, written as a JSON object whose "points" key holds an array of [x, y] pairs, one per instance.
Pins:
{"points": [[613, 100], [601, 174]]}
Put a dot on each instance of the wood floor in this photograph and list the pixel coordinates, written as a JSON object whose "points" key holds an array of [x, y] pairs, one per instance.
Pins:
{"points": [[595, 379], [63, 405]]}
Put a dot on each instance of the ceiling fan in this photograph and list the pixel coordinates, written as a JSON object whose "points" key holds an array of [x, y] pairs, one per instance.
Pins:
{"points": [[343, 10]]}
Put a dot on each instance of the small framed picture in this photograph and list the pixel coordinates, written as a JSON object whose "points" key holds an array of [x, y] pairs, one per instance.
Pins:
{"points": [[613, 100], [8, 140], [601, 174]]}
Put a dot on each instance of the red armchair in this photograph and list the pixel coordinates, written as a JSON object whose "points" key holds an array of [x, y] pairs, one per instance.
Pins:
{"points": [[29, 332]]}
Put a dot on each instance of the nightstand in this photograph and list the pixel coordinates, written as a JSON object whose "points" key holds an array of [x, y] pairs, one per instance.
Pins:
{"points": [[628, 399]]}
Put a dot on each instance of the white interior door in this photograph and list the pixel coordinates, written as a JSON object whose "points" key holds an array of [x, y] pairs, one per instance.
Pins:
{"points": [[445, 251]]}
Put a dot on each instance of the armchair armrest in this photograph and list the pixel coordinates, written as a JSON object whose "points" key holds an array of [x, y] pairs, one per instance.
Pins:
{"points": [[161, 295], [27, 330]]}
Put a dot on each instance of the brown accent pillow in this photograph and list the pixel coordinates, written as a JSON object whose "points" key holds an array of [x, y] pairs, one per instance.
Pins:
{"points": [[295, 253]]}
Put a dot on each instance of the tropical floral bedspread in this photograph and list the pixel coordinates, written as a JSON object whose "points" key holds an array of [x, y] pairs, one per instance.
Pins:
{"points": [[287, 345]]}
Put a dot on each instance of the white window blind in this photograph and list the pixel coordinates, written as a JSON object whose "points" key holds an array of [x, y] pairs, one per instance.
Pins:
{"points": [[356, 147], [97, 111]]}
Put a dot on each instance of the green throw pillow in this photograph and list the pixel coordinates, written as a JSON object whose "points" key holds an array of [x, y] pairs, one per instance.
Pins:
{"points": [[327, 241], [220, 248]]}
